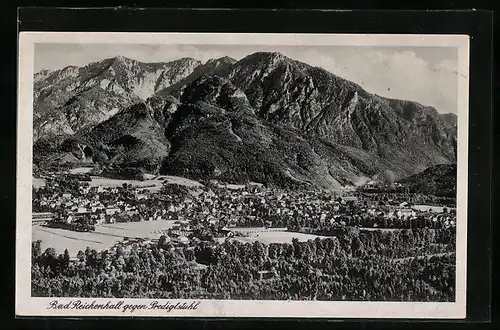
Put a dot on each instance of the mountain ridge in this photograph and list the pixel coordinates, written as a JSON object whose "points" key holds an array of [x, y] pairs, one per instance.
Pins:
{"points": [[93, 93]]}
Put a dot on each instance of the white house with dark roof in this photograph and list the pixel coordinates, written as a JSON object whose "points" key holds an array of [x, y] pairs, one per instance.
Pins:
{"points": [[406, 213]]}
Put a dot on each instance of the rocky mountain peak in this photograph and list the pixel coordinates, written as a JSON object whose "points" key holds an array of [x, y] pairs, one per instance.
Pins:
{"points": [[42, 74], [121, 58], [221, 60], [69, 71], [265, 113], [213, 90]]}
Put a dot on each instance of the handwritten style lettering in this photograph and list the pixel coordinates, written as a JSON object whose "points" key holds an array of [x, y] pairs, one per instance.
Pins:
{"points": [[122, 306]]}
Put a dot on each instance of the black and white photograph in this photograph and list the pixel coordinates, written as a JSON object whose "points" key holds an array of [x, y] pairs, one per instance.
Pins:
{"points": [[242, 175]]}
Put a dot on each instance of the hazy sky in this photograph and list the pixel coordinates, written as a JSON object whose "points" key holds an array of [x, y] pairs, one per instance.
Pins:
{"points": [[427, 75]]}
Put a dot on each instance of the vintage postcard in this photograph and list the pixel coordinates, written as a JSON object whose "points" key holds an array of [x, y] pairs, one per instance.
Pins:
{"points": [[242, 175]]}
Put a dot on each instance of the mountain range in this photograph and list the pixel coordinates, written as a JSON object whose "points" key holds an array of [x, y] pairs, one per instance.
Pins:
{"points": [[265, 118]]}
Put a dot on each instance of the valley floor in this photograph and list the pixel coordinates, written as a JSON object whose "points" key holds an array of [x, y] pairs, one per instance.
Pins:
{"points": [[104, 237], [228, 231]]}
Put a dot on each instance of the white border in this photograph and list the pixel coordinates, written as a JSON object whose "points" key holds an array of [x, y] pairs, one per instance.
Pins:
{"points": [[28, 306]]}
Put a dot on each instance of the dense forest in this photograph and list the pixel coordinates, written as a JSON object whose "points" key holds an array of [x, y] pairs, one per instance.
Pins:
{"points": [[439, 180], [403, 265]]}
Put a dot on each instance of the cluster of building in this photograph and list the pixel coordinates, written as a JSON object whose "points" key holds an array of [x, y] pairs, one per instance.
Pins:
{"points": [[99, 205], [408, 212]]}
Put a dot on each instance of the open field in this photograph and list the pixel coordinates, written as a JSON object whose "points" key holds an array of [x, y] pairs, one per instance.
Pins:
{"points": [[267, 237], [436, 209], [179, 180], [38, 183], [234, 186], [104, 236], [381, 229], [79, 170], [278, 237], [153, 185]]}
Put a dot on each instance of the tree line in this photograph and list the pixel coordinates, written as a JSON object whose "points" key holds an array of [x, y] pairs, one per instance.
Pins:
{"points": [[374, 266]]}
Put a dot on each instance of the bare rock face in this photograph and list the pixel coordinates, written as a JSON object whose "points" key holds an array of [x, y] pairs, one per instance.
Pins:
{"points": [[265, 118], [219, 67], [77, 98], [451, 119], [318, 103]]}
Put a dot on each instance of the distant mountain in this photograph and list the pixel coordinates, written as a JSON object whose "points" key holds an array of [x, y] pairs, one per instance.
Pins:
{"points": [[72, 99], [439, 180], [318, 103], [265, 118], [220, 67]]}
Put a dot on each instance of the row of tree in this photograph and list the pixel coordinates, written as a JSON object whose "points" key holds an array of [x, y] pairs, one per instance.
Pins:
{"points": [[319, 225], [355, 266], [411, 197]]}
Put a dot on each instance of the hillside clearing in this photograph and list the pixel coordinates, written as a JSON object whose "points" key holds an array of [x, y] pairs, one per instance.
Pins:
{"points": [[152, 185], [267, 237], [104, 237]]}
